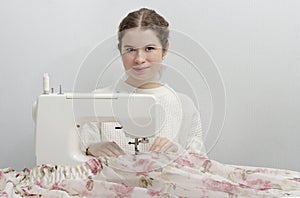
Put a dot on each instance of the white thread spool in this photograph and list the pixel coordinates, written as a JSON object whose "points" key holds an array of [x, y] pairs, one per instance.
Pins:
{"points": [[46, 86]]}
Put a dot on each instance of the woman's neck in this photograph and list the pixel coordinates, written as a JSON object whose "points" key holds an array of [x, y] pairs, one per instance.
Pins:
{"points": [[143, 85]]}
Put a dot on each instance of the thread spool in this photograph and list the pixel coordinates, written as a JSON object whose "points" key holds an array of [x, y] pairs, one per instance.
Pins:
{"points": [[46, 86]]}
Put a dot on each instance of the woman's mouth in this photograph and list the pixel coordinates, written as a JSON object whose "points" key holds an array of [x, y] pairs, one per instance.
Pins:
{"points": [[140, 69]]}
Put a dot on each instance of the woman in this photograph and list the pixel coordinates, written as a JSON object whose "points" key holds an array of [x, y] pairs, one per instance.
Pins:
{"points": [[143, 43]]}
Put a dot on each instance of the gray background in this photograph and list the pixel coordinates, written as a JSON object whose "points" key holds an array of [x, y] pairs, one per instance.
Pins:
{"points": [[256, 45]]}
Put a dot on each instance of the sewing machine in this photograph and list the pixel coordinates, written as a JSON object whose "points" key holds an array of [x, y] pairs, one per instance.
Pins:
{"points": [[59, 116]]}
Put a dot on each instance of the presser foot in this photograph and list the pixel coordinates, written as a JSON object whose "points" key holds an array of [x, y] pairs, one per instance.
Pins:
{"points": [[136, 142]]}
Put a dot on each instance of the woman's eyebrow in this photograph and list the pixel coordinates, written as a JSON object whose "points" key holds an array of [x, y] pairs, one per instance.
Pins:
{"points": [[150, 44], [127, 46]]}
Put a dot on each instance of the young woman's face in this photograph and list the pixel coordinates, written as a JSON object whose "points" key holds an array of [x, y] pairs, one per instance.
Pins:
{"points": [[142, 54]]}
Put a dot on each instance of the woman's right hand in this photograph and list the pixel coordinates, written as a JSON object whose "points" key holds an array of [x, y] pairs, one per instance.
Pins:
{"points": [[105, 149]]}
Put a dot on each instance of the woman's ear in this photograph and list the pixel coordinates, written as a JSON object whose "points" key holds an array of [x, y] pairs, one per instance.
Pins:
{"points": [[165, 51], [119, 47]]}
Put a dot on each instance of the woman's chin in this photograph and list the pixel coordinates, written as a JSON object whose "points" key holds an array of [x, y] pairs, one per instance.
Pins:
{"points": [[141, 81], [142, 76]]}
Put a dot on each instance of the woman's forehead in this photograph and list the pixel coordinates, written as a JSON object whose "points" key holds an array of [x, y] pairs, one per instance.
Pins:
{"points": [[136, 37]]}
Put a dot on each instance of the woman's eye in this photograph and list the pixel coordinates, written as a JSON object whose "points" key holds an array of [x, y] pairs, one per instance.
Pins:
{"points": [[130, 49], [150, 48]]}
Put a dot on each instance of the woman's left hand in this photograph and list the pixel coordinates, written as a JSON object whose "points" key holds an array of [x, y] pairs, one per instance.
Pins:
{"points": [[163, 144]]}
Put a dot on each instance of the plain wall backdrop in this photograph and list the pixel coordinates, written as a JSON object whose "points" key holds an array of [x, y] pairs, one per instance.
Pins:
{"points": [[255, 44]]}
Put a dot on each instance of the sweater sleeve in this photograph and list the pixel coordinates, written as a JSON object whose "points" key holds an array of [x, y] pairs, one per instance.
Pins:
{"points": [[89, 134], [195, 143]]}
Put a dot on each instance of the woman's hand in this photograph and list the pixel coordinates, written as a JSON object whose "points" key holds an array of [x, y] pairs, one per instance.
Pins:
{"points": [[105, 149], [162, 144]]}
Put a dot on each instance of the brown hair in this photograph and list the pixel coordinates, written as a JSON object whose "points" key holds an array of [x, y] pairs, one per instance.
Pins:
{"points": [[145, 18]]}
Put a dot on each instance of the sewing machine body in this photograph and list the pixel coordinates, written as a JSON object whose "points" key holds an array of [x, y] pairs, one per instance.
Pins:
{"points": [[58, 117]]}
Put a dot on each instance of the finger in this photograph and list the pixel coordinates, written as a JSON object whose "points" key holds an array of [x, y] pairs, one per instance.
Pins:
{"points": [[112, 150], [165, 147], [169, 147], [107, 151], [156, 140], [101, 154], [155, 143], [118, 149], [163, 141]]}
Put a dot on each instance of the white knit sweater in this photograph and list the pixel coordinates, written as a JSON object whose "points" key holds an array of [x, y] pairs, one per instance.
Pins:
{"points": [[181, 125]]}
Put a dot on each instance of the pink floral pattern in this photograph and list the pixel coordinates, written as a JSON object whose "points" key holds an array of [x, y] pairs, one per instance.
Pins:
{"points": [[122, 190], [149, 175]]}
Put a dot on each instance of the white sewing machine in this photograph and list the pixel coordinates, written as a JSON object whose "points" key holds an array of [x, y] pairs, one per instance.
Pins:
{"points": [[59, 116]]}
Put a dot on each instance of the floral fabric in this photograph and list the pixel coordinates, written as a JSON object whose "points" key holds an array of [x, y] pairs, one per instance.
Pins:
{"points": [[149, 175]]}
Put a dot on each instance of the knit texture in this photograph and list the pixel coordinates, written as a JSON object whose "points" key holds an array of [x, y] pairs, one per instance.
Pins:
{"points": [[181, 121]]}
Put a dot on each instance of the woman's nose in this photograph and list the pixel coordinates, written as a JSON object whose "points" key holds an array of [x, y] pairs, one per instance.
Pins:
{"points": [[140, 57]]}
